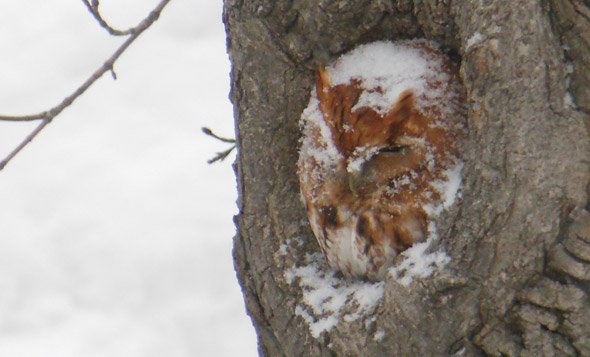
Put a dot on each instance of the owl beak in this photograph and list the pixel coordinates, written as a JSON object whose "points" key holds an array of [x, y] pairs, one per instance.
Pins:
{"points": [[351, 185], [354, 180]]}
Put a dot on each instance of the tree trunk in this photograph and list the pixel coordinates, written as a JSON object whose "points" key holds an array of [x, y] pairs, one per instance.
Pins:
{"points": [[519, 240]]}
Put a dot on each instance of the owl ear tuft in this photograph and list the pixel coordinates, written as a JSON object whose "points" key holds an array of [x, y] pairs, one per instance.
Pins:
{"points": [[322, 82], [402, 109], [326, 98]]}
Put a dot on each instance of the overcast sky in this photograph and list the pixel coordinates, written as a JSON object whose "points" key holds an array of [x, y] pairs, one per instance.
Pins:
{"points": [[115, 235]]}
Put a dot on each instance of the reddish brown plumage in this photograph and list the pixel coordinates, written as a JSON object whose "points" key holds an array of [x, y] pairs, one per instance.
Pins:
{"points": [[380, 204]]}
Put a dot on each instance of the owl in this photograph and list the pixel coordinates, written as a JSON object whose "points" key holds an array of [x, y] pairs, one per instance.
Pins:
{"points": [[381, 131]]}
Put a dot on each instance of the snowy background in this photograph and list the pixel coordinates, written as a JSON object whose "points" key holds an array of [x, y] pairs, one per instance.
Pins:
{"points": [[115, 235]]}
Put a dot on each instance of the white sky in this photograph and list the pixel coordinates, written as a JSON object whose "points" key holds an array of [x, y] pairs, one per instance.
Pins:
{"points": [[115, 235]]}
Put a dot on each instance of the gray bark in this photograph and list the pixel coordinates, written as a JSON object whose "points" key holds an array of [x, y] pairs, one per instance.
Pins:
{"points": [[519, 240]]}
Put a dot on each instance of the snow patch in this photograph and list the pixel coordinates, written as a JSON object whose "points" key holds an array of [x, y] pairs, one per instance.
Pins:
{"points": [[475, 39], [317, 141], [568, 100], [284, 247], [461, 352], [379, 335], [359, 157], [449, 187], [418, 262], [385, 70], [328, 299], [282, 250]]}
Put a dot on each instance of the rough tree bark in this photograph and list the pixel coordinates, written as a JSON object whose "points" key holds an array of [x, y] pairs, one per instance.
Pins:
{"points": [[519, 240]]}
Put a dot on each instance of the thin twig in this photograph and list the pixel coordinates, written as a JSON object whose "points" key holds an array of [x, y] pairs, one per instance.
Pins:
{"points": [[220, 156], [209, 132], [49, 115], [24, 143], [24, 117], [93, 9]]}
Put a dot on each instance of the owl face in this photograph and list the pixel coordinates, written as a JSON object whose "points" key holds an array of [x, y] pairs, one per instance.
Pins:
{"points": [[368, 162]]}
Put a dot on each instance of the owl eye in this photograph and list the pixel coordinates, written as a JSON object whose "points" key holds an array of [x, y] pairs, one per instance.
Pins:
{"points": [[398, 149]]}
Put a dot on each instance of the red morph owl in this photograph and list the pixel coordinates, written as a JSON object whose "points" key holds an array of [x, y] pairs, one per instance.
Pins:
{"points": [[381, 132]]}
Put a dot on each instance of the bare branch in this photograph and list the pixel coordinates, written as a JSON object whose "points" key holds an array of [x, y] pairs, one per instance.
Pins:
{"points": [[220, 156], [49, 115], [209, 132], [93, 9], [24, 117], [24, 143]]}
